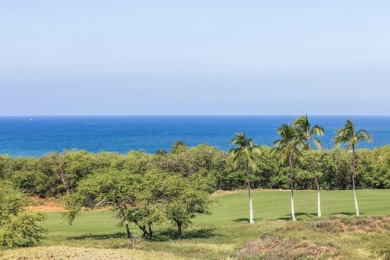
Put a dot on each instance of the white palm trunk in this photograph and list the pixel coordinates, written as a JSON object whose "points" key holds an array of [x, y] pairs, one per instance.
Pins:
{"points": [[353, 181], [319, 203], [292, 191], [318, 195], [250, 200], [356, 203], [292, 206], [250, 210], [318, 189]]}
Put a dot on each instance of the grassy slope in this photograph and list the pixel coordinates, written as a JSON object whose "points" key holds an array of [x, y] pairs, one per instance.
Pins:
{"points": [[221, 234]]}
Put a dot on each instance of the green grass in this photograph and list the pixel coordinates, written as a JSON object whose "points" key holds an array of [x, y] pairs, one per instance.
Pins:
{"points": [[275, 205], [226, 233]]}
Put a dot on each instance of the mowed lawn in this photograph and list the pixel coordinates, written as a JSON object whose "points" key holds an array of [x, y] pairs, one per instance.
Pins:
{"points": [[275, 205], [225, 232], [234, 208]]}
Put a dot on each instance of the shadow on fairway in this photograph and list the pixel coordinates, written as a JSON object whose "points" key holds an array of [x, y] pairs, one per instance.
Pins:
{"points": [[346, 213], [298, 215], [164, 235], [171, 234], [246, 219], [98, 236]]}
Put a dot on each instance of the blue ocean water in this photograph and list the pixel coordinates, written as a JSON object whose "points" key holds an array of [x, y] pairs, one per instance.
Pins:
{"points": [[36, 136]]}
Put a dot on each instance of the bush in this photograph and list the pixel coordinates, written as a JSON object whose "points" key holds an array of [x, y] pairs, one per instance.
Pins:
{"points": [[18, 227]]}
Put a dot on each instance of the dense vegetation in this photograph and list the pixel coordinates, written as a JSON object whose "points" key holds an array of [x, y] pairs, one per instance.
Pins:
{"points": [[57, 174]]}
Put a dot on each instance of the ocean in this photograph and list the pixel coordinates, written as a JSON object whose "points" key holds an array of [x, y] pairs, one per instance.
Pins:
{"points": [[36, 136]]}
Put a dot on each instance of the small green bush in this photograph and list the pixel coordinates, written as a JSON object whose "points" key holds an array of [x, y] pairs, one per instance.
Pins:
{"points": [[18, 227]]}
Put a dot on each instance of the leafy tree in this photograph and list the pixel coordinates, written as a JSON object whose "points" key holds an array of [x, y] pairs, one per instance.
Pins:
{"points": [[245, 153], [347, 135], [161, 152], [145, 200], [68, 168], [380, 167], [287, 147], [18, 227], [138, 162], [186, 198], [305, 132], [127, 193], [53, 166], [178, 147], [31, 182]]}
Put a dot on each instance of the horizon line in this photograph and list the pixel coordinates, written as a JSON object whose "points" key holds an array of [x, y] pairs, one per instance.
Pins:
{"points": [[188, 115]]}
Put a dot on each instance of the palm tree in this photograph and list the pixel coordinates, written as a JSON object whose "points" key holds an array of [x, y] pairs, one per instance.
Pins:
{"points": [[305, 132], [288, 147], [245, 152], [347, 135]]}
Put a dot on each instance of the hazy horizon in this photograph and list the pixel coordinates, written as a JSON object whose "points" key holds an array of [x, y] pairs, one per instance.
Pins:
{"points": [[194, 57]]}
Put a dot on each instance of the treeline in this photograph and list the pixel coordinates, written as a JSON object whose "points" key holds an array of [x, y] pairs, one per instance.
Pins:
{"points": [[56, 174]]}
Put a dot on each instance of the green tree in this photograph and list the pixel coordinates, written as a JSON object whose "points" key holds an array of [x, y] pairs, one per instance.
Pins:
{"points": [[133, 198], [161, 152], [186, 198], [245, 153], [287, 147], [305, 132], [179, 147], [18, 227], [347, 135]]}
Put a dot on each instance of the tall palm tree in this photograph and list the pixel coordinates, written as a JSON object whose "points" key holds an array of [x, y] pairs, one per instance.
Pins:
{"points": [[305, 132], [288, 147], [347, 135], [245, 153]]}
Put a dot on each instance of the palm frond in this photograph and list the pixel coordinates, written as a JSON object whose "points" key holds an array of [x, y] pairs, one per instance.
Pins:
{"points": [[363, 134], [317, 130], [347, 135], [289, 144], [302, 123], [317, 143], [245, 150]]}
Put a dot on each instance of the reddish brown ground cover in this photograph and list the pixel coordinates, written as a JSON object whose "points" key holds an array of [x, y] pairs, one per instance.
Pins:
{"points": [[45, 205]]}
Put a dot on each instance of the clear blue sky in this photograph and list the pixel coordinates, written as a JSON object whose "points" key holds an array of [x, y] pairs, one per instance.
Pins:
{"points": [[100, 57]]}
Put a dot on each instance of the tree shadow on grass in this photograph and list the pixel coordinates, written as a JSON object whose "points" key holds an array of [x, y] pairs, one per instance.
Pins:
{"points": [[159, 236], [171, 234], [298, 216], [98, 236], [346, 213], [246, 219]]}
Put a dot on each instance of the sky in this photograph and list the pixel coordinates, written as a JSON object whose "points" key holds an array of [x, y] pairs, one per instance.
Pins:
{"points": [[198, 57]]}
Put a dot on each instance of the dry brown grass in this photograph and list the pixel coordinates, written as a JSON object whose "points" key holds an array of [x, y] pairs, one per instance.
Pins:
{"points": [[66, 253]]}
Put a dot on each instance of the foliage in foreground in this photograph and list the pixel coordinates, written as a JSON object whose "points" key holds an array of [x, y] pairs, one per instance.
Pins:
{"points": [[336, 237], [328, 238], [18, 227]]}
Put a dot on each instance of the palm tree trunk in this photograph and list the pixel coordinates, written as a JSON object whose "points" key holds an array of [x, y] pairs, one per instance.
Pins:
{"points": [[317, 185], [292, 190], [353, 181], [319, 203], [250, 199], [318, 193]]}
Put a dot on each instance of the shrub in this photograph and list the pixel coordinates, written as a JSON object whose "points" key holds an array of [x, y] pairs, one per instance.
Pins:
{"points": [[18, 227]]}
